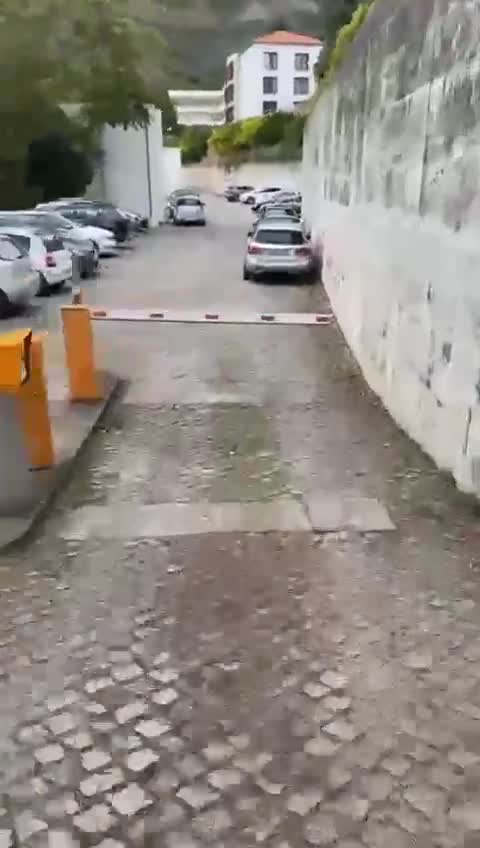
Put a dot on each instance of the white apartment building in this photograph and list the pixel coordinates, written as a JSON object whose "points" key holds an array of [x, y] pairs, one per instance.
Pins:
{"points": [[199, 108], [276, 73]]}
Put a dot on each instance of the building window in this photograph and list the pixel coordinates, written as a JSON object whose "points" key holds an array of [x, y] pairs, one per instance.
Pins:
{"points": [[229, 115], [270, 61], [270, 85], [302, 62], [301, 85], [229, 93], [269, 107], [229, 71]]}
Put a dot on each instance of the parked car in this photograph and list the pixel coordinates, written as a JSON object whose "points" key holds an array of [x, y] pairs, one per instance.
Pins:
{"points": [[84, 212], [189, 210], [137, 222], [172, 200], [85, 256], [232, 192], [278, 197], [48, 256], [103, 240], [260, 195], [86, 253], [18, 282], [272, 210], [279, 248]]}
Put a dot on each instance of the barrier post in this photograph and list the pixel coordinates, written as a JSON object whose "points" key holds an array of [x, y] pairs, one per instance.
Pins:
{"points": [[34, 414], [84, 381]]}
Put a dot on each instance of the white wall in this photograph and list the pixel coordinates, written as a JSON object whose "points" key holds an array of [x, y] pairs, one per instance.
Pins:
{"points": [[172, 169], [252, 71], [133, 173]]}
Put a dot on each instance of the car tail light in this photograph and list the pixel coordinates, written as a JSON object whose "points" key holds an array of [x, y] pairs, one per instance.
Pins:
{"points": [[304, 251], [51, 261], [254, 248]]}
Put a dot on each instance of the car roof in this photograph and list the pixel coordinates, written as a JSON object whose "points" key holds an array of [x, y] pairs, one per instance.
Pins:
{"points": [[19, 231]]}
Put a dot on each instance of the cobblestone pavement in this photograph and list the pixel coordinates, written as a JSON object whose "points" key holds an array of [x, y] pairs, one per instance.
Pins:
{"points": [[284, 689]]}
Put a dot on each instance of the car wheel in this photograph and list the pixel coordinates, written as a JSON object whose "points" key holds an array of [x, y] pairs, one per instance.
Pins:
{"points": [[43, 287], [5, 305], [246, 273], [58, 286]]}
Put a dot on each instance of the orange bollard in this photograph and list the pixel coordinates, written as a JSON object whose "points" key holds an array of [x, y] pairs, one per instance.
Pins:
{"points": [[83, 379], [34, 413]]}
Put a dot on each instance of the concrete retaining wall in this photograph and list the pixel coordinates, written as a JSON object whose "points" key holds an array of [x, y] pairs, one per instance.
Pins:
{"points": [[212, 178], [391, 179], [133, 169]]}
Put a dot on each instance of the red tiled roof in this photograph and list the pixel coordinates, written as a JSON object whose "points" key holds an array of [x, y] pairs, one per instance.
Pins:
{"points": [[281, 36]]}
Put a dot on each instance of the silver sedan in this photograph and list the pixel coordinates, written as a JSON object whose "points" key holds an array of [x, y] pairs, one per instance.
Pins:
{"points": [[189, 210], [279, 247]]}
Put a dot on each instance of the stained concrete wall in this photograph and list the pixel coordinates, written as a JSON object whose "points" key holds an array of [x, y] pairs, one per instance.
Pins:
{"points": [[391, 179], [210, 177]]}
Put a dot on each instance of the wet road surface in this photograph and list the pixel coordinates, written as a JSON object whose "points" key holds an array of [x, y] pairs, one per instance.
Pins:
{"points": [[242, 688]]}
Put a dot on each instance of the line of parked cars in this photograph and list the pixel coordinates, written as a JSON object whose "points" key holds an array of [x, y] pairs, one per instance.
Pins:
{"points": [[185, 208], [278, 243], [39, 247]]}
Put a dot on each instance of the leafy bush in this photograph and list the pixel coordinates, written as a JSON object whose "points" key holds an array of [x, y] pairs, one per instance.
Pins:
{"points": [[281, 133]]}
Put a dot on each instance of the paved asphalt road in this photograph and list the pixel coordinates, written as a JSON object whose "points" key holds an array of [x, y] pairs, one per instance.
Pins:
{"points": [[229, 687]]}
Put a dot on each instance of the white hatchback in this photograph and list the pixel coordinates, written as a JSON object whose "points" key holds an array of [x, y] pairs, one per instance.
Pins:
{"points": [[18, 282], [48, 256]]}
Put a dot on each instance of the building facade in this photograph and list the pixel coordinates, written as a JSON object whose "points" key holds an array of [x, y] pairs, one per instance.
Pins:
{"points": [[199, 108], [275, 74]]}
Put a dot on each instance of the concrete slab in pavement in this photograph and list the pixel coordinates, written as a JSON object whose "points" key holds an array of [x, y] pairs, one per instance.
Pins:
{"points": [[72, 423]]}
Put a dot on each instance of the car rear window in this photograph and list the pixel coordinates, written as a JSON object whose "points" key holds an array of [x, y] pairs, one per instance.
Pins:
{"points": [[265, 236], [22, 242], [189, 201]]}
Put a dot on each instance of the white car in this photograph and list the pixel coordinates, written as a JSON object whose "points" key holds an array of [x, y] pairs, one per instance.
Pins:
{"points": [[102, 238], [47, 254], [260, 195], [18, 282]]}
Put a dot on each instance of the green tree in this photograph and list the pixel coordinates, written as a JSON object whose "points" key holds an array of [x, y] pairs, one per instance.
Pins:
{"points": [[57, 54], [56, 167], [194, 144]]}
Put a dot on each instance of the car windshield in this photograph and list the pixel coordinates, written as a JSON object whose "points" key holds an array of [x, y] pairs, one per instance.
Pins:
{"points": [[265, 236]]}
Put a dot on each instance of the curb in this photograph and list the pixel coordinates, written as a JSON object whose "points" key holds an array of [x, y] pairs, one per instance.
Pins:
{"points": [[23, 526]]}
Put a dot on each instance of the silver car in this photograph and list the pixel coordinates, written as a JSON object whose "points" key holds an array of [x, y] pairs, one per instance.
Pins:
{"points": [[18, 282], [189, 210], [279, 247]]}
